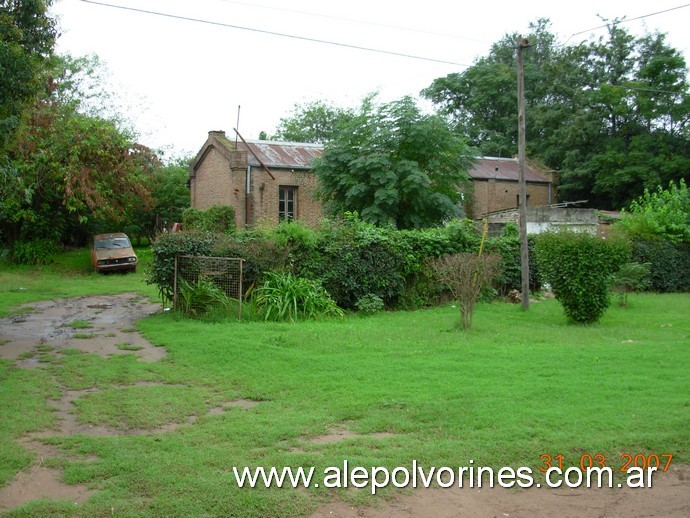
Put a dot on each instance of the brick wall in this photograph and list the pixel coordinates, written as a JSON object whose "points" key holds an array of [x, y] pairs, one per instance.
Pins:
{"points": [[219, 181], [493, 195], [265, 195]]}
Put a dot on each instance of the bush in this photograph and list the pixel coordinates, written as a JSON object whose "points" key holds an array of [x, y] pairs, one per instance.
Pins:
{"points": [[369, 304], [579, 266], [219, 219], [465, 275], [201, 298], [663, 214], [36, 251], [260, 253], [166, 247], [669, 264], [508, 247], [284, 297], [630, 277]]}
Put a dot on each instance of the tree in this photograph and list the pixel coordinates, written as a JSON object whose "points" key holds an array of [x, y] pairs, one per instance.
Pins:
{"points": [[67, 168], [663, 214], [395, 166], [612, 115], [27, 38], [465, 275], [316, 122]]}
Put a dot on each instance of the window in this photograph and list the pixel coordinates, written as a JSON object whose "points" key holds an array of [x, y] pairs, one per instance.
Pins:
{"points": [[287, 203]]}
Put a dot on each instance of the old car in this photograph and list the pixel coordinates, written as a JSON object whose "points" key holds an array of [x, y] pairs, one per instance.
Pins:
{"points": [[110, 252]]}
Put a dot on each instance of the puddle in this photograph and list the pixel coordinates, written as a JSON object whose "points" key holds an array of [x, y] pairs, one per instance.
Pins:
{"points": [[110, 318]]}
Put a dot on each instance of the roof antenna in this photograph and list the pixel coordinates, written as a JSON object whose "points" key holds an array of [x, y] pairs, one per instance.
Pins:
{"points": [[238, 124]]}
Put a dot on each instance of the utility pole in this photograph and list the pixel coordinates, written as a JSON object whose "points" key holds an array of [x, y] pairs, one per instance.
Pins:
{"points": [[524, 245]]}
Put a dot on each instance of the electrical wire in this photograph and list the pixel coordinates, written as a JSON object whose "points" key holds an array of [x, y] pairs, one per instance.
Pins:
{"points": [[273, 33], [357, 21], [628, 20]]}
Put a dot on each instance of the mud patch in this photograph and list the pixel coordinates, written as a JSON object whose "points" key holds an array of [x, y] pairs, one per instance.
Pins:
{"points": [[110, 320], [342, 433], [669, 496], [41, 482]]}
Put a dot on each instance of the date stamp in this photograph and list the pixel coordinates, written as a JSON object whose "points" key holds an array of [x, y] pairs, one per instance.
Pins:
{"points": [[598, 460]]}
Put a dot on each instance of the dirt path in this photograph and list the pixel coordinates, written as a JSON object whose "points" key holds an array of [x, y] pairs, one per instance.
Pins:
{"points": [[102, 325], [669, 497]]}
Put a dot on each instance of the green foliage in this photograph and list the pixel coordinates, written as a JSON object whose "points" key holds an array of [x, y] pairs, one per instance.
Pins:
{"points": [[369, 304], [37, 251], [663, 214], [260, 253], [395, 166], [579, 266], [669, 263], [317, 121], [353, 259], [166, 247], [508, 247], [629, 278], [202, 297], [609, 114], [27, 38], [284, 297], [219, 219]]}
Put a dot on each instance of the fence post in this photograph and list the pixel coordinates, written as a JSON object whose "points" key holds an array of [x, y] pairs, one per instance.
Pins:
{"points": [[240, 294], [175, 286]]}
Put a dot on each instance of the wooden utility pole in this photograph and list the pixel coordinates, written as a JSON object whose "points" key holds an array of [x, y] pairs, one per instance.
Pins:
{"points": [[524, 246]]}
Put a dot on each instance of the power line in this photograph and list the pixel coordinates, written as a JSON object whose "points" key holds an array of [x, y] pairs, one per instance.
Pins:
{"points": [[273, 33], [630, 20], [354, 20]]}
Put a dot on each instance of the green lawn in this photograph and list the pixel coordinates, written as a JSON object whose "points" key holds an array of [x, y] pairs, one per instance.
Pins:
{"points": [[518, 385]]}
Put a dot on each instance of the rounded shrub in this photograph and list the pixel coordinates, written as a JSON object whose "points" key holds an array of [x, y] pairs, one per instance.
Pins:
{"points": [[579, 267]]}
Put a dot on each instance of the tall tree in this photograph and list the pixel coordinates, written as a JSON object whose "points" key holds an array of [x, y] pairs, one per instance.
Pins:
{"points": [[68, 167], [395, 166], [27, 38], [316, 121], [610, 115]]}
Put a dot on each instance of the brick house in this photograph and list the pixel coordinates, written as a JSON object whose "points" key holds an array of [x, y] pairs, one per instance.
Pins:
{"points": [[267, 181]]}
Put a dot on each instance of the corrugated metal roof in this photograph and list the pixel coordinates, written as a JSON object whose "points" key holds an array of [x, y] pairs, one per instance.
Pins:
{"points": [[282, 155], [486, 168], [294, 155]]}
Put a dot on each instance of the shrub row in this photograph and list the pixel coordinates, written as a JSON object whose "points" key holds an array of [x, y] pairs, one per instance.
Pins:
{"points": [[353, 260], [669, 263]]}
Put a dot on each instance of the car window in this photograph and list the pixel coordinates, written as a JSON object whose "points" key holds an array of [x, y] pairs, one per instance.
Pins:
{"points": [[112, 242]]}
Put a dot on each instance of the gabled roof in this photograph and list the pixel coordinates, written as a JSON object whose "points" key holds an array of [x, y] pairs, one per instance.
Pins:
{"points": [[282, 155], [299, 155], [487, 168]]}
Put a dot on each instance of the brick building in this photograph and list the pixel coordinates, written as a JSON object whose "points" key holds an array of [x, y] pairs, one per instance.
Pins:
{"points": [[268, 181]]}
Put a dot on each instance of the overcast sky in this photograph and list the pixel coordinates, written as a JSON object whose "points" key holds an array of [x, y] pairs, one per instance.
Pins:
{"points": [[183, 78]]}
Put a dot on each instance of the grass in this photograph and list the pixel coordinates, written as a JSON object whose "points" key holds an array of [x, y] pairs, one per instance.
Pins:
{"points": [[518, 385], [80, 324], [123, 346], [71, 275]]}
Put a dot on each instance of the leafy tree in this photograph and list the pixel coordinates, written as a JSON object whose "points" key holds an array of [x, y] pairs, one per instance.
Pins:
{"points": [[662, 214], [67, 168], [395, 166], [27, 38], [316, 122], [611, 115]]}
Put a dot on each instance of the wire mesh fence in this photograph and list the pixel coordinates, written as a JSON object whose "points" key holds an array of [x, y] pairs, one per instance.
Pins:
{"points": [[208, 286]]}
